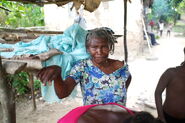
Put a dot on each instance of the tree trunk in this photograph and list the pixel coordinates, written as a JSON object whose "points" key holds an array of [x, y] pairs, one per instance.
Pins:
{"points": [[6, 98]]}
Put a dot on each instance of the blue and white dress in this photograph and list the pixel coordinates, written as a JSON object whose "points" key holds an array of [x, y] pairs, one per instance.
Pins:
{"points": [[98, 87]]}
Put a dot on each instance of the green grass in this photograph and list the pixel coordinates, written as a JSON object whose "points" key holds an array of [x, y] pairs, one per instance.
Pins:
{"points": [[179, 27]]}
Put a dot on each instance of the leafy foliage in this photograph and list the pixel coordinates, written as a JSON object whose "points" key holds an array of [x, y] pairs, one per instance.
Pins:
{"points": [[180, 28], [175, 3], [20, 15], [163, 10], [37, 84], [14, 15], [20, 83], [181, 7]]}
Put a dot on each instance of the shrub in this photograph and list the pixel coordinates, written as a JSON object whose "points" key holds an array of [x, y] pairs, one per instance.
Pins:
{"points": [[20, 83]]}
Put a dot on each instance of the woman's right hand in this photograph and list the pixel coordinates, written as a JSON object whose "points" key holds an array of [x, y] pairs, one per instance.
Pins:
{"points": [[47, 74]]}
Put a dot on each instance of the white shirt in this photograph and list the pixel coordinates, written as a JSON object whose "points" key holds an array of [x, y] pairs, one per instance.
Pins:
{"points": [[161, 26]]}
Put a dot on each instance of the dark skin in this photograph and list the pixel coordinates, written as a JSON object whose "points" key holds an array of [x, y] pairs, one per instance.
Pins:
{"points": [[173, 80], [104, 116], [99, 51], [113, 115]]}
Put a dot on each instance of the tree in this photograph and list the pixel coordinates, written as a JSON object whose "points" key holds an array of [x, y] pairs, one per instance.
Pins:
{"points": [[179, 5], [16, 14], [164, 10]]}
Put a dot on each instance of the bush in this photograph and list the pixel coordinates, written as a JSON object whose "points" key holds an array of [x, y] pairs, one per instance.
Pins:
{"points": [[21, 15], [179, 28], [157, 37], [20, 83]]}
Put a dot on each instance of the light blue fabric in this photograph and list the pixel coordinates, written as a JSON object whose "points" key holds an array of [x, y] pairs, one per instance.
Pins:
{"points": [[71, 42], [37, 46]]}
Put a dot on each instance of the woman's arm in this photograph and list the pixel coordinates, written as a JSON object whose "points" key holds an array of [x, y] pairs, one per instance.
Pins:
{"points": [[63, 88], [128, 81]]}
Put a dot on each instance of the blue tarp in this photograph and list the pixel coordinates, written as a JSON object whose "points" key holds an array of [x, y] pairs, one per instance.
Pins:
{"points": [[71, 42]]}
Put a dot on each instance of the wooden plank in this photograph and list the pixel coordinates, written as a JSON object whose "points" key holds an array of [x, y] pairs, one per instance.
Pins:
{"points": [[29, 31], [30, 64], [13, 67]]}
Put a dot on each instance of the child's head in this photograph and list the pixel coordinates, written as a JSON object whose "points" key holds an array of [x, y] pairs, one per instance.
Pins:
{"points": [[103, 33], [143, 117]]}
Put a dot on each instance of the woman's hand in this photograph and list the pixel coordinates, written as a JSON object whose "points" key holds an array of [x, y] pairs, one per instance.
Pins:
{"points": [[47, 74]]}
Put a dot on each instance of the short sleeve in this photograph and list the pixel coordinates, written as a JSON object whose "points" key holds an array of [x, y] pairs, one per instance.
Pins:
{"points": [[77, 71], [125, 73]]}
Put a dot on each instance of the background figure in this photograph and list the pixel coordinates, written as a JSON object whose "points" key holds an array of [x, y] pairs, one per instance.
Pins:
{"points": [[152, 38], [79, 19], [173, 109], [152, 25], [169, 29], [161, 27]]}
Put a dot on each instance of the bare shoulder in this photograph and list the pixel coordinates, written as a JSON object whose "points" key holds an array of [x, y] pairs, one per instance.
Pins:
{"points": [[170, 71], [116, 63]]}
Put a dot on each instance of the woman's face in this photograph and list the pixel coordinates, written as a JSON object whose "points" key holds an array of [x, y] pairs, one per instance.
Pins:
{"points": [[98, 49]]}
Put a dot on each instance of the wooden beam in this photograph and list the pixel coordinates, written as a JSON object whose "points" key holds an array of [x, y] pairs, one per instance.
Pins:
{"points": [[6, 49], [31, 65], [12, 67], [29, 31], [41, 3]]}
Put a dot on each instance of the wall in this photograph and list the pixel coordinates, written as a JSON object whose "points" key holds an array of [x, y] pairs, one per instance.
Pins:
{"points": [[109, 14]]}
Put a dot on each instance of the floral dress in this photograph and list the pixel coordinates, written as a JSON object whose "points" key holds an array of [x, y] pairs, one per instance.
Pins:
{"points": [[98, 87]]}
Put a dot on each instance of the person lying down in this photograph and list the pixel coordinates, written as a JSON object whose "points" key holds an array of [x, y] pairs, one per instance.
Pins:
{"points": [[107, 113]]}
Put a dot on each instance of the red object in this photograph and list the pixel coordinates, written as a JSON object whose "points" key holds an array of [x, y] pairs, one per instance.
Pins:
{"points": [[151, 23]]}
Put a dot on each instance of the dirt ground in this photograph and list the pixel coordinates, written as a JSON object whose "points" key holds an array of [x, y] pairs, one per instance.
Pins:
{"points": [[145, 71]]}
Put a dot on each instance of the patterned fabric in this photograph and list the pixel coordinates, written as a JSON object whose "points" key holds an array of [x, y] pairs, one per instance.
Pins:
{"points": [[98, 87]]}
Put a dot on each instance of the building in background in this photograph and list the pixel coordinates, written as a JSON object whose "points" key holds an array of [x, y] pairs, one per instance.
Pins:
{"points": [[108, 14]]}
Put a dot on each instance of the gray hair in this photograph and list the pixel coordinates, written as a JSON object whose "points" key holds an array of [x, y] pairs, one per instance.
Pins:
{"points": [[103, 33]]}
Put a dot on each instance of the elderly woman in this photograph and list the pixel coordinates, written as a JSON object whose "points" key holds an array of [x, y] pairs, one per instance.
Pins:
{"points": [[102, 80]]}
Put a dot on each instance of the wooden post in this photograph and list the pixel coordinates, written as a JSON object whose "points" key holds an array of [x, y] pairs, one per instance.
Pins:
{"points": [[125, 31], [31, 80], [7, 98]]}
